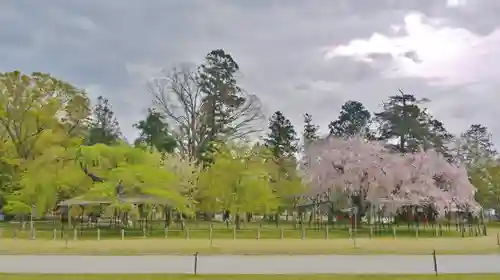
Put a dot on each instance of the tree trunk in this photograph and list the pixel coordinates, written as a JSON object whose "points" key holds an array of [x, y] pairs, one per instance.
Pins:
{"points": [[168, 216], [237, 221]]}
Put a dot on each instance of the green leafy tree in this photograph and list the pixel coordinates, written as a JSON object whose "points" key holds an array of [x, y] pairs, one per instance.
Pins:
{"points": [[8, 164], [103, 172], [135, 170], [476, 146], [476, 151], [238, 181], [155, 132], [32, 105], [37, 111], [47, 178], [486, 179], [17, 209], [354, 119], [104, 127]]}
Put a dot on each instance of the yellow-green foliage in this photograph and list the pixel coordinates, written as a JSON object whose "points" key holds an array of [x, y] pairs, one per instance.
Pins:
{"points": [[139, 171], [30, 105], [59, 173], [38, 113], [243, 178], [486, 179]]}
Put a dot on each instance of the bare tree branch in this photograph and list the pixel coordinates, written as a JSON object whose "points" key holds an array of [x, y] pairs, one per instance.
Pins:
{"points": [[177, 94]]}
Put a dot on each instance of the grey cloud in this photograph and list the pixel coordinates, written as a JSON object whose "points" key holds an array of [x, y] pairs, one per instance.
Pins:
{"points": [[413, 56], [279, 46]]}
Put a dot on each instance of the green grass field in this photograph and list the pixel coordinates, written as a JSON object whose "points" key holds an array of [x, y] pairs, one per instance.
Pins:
{"points": [[244, 277], [253, 238], [474, 245]]}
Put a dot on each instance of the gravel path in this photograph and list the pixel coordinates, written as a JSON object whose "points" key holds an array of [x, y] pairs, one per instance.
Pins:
{"points": [[249, 264]]}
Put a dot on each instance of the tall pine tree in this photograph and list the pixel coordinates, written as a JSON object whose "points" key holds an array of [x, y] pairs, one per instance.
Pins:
{"points": [[282, 141], [282, 137], [404, 121], [222, 100], [354, 119], [310, 133], [104, 127]]}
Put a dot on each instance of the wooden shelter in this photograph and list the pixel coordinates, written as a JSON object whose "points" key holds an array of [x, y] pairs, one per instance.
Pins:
{"points": [[118, 218]]}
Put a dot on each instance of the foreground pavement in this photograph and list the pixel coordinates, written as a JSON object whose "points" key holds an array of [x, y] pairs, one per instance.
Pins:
{"points": [[58, 264]]}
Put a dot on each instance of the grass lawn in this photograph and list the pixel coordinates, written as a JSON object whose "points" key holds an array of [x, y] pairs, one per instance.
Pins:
{"points": [[243, 277], [473, 245]]}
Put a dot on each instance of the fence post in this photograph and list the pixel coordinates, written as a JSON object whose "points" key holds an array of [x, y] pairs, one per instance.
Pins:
{"points": [[75, 234], [123, 234], [281, 233], [98, 234], [435, 262], [54, 234], [195, 263], [211, 235]]}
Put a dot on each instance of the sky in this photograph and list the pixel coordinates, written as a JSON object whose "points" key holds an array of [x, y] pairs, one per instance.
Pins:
{"points": [[296, 56]]}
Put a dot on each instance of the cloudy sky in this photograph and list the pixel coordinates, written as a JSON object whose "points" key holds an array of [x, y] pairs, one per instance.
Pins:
{"points": [[297, 56]]}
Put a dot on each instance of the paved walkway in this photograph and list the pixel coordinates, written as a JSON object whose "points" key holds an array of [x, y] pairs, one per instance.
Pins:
{"points": [[249, 264]]}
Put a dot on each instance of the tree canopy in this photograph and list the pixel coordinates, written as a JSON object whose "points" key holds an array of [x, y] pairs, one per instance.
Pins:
{"points": [[369, 173], [155, 133], [199, 149]]}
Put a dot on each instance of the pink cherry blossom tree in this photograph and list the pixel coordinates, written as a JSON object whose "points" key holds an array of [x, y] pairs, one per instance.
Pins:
{"points": [[439, 182], [369, 175]]}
